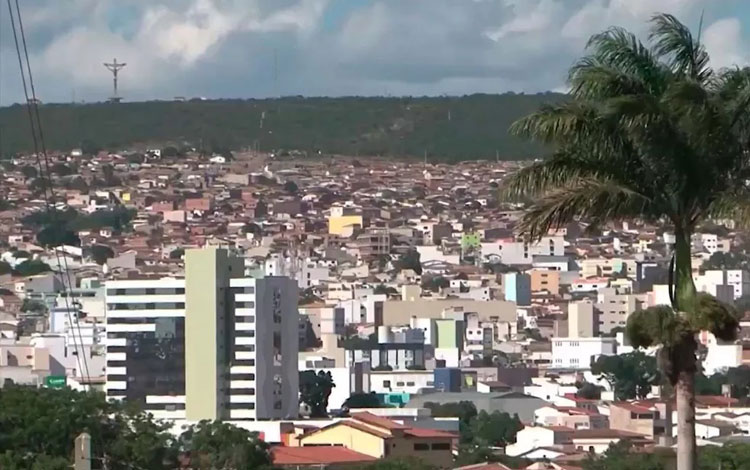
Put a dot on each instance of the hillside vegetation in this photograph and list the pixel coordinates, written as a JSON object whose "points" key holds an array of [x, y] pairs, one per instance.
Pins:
{"points": [[446, 128]]}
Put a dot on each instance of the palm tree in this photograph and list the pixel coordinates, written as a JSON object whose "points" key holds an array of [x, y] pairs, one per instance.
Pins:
{"points": [[649, 133]]}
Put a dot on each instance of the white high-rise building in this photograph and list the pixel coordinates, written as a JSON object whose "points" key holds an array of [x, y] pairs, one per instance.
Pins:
{"points": [[214, 345]]}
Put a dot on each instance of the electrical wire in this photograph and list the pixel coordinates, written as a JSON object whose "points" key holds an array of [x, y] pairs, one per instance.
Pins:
{"points": [[35, 102], [34, 126]]}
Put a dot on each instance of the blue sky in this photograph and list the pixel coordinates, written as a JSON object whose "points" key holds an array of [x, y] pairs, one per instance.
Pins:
{"points": [[227, 48]]}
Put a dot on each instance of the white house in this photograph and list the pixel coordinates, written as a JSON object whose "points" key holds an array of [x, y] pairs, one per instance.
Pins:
{"points": [[578, 353]]}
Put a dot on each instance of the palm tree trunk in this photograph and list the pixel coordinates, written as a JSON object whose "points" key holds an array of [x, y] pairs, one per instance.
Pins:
{"points": [[684, 294], [685, 394], [684, 301]]}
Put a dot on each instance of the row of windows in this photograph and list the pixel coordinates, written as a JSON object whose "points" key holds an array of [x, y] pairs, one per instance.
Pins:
{"points": [[242, 376], [148, 291], [147, 306], [242, 406], [435, 446], [387, 384]]}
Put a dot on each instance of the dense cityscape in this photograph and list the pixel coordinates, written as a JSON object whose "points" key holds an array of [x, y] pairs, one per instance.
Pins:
{"points": [[165, 305]]}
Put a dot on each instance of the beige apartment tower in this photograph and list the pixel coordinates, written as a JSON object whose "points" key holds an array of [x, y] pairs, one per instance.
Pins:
{"points": [[581, 320]]}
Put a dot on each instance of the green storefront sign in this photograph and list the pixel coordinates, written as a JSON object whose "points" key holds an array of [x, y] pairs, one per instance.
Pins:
{"points": [[55, 381]]}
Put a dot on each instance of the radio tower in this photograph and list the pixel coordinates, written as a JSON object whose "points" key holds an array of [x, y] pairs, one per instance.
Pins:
{"points": [[115, 67]]}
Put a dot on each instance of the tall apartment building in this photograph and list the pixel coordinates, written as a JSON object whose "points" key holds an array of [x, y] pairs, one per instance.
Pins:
{"points": [[214, 345]]}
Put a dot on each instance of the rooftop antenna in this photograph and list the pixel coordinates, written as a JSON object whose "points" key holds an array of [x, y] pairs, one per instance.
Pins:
{"points": [[115, 67]]}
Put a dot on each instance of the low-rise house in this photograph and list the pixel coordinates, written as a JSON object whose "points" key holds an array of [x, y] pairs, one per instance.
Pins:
{"points": [[380, 438], [318, 458]]}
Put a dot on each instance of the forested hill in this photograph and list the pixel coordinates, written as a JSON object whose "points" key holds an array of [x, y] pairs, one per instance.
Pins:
{"points": [[446, 128]]}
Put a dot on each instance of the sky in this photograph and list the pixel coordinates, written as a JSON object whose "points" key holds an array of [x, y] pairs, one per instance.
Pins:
{"points": [[262, 48]]}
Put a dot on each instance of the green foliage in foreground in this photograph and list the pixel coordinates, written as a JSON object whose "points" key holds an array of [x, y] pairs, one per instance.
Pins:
{"points": [[622, 456], [38, 428], [447, 128]]}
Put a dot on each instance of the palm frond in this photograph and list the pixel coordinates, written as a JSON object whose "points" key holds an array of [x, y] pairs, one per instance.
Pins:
{"points": [[594, 80], [652, 327], [733, 205], [712, 315], [595, 199], [623, 51], [538, 178], [674, 43], [733, 87], [554, 122]]}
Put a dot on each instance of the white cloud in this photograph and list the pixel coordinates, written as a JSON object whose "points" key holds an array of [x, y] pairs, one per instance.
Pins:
{"points": [[723, 41], [227, 47]]}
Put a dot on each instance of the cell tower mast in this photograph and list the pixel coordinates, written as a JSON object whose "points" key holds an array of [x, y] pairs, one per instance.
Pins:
{"points": [[115, 67]]}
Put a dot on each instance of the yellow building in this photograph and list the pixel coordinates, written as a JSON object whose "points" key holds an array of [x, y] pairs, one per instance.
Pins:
{"points": [[344, 225], [380, 438]]}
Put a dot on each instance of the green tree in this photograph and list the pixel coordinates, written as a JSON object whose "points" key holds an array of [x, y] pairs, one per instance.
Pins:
{"points": [[101, 253], [28, 172], [630, 375], [61, 169], [89, 147], [731, 260], [314, 390], [56, 235], [110, 179], [363, 400], [291, 187], [650, 133], [33, 305], [589, 391], [177, 253], [38, 186], [621, 456], [31, 267], [435, 283], [5, 268], [215, 445], [730, 456], [170, 151], [401, 463], [39, 426], [382, 289], [495, 429], [465, 411], [410, 260]]}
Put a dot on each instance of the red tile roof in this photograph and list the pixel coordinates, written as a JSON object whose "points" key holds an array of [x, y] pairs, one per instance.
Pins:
{"points": [[715, 400], [604, 434], [352, 424], [484, 466], [373, 420], [421, 432], [317, 455], [632, 407]]}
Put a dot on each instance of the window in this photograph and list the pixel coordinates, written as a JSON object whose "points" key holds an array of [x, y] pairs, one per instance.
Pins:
{"points": [[421, 446], [387, 383], [399, 384], [409, 384], [441, 446]]}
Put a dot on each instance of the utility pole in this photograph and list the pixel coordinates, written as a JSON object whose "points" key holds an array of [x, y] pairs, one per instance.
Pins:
{"points": [[115, 67]]}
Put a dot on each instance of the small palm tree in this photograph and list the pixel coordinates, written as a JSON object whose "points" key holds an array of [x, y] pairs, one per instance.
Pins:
{"points": [[650, 133]]}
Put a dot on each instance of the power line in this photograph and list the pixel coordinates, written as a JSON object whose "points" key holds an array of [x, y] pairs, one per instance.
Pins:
{"points": [[34, 126], [67, 286]]}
